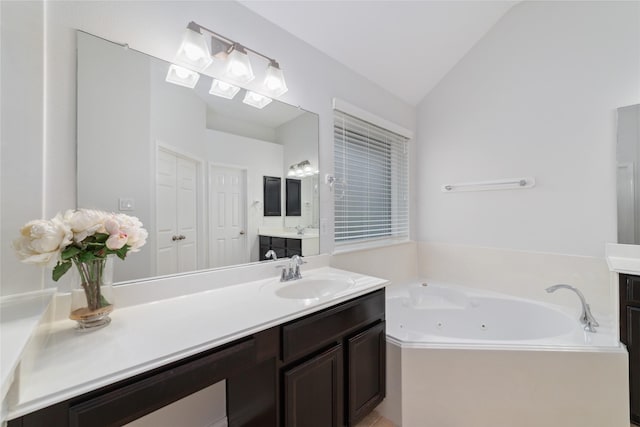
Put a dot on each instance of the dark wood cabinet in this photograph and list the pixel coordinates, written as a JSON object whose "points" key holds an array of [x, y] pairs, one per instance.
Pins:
{"points": [[284, 248], [630, 335], [313, 391], [356, 326], [272, 191], [324, 369], [293, 197], [366, 380]]}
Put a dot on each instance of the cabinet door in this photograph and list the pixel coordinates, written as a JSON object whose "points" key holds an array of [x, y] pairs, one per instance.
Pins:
{"points": [[271, 195], [313, 391], [366, 353], [633, 345]]}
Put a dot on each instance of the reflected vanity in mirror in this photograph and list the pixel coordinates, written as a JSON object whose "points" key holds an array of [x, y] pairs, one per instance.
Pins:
{"points": [[628, 159], [189, 164]]}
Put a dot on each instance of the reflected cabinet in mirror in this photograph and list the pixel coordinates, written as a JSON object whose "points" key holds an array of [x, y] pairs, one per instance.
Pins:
{"points": [[628, 173], [189, 164]]}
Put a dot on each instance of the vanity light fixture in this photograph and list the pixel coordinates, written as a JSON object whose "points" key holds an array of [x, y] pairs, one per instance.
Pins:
{"points": [[193, 51], [274, 84], [182, 76], [256, 100], [238, 69], [223, 89], [195, 54], [302, 169]]}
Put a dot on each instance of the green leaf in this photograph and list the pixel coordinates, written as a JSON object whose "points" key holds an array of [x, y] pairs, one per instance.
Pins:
{"points": [[122, 252], [60, 269], [70, 252], [101, 237], [86, 256], [103, 301]]}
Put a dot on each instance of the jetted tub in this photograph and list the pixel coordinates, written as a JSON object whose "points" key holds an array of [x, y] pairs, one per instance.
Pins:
{"points": [[431, 313], [459, 356]]}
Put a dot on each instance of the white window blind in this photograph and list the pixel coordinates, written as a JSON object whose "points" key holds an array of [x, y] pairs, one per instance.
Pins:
{"points": [[371, 187]]}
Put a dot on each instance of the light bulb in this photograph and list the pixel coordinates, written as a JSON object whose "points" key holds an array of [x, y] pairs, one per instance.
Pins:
{"points": [[193, 51], [238, 67], [182, 76], [223, 89], [274, 84], [256, 100]]}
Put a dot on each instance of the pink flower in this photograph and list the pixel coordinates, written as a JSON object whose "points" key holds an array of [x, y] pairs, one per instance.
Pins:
{"points": [[117, 241]]}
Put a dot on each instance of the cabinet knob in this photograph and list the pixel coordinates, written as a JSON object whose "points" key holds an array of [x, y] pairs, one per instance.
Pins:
{"points": [[174, 238], [242, 232]]}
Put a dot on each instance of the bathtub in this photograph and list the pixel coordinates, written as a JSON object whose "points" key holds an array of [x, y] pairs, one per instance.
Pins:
{"points": [[459, 356]]}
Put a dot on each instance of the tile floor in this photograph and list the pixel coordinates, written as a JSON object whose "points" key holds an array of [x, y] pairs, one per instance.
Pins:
{"points": [[374, 419]]}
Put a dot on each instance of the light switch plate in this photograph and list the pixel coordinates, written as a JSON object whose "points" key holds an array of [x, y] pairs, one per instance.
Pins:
{"points": [[126, 204]]}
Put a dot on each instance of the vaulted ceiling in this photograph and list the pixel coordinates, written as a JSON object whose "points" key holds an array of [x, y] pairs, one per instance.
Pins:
{"points": [[406, 47]]}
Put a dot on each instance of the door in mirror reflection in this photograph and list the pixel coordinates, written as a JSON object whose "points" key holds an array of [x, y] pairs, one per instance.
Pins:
{"points": [[227, 193], [176, 212]]}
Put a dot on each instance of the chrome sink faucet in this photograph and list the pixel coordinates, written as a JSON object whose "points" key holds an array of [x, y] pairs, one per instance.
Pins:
{"points": [[292, 271], [586, 318], [271, 254]]}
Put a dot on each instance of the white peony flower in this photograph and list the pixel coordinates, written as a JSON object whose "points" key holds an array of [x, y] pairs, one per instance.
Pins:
{"points": [[86, 222], [116, 241], [41, 241], [132, 227]]}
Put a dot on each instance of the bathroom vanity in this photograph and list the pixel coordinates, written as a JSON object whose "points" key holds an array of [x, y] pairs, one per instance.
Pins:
{"points": [[299, 362], [288, 243]]}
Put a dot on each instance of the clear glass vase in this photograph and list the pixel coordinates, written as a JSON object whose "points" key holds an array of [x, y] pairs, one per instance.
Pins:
{"points": [[92, 299]]}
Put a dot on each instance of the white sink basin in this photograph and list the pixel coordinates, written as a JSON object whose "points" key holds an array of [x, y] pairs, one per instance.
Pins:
{"points": [[315, 288]]}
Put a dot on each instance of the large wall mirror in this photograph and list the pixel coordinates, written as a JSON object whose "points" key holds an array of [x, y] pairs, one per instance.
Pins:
{"points": [[189, 164], [628, 174]]}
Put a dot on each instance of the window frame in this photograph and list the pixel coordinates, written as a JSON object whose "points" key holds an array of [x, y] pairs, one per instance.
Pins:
{"points": [[399, 228]]}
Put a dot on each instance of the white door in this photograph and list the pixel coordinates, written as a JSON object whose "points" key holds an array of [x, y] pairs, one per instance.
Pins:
{"points": [[227, 216], [176, 213]]}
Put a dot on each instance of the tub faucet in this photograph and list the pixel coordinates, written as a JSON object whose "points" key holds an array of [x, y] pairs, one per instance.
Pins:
{"points": [[586, 318], [271, 254]]}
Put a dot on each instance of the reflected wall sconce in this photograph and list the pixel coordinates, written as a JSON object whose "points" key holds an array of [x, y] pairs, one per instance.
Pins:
{"points": [[302, 169], [195, 55]]}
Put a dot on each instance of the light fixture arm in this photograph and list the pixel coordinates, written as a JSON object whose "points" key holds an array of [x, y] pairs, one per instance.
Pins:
{"points": [[232, 44]]}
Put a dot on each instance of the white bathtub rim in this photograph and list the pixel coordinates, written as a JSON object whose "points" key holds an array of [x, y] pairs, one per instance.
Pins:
{"points": [[440, 345], [606, 339]]}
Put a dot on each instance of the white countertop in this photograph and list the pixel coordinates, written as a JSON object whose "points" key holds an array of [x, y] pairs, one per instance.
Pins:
{"points": [[285, 234], [147, 336], [623, 258], [19, 318]]}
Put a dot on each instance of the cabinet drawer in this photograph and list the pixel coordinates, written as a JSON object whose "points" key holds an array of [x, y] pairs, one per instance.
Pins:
{"points": [[295, 244], [278, 242], [142, 397], [317, 330]]}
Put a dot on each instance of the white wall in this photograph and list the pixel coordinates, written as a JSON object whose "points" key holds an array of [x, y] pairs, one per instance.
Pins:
{"points": [[155, 28], [298, 146], [536, 96], [22, 154]]}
